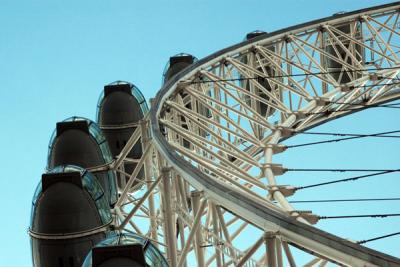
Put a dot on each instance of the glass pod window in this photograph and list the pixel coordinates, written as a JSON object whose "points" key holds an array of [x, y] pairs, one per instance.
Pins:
{"points": [[136, 93], [90, 184]]}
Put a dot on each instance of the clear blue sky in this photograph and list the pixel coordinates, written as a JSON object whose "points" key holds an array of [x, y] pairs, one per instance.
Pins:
{"points": [[56, 56]]}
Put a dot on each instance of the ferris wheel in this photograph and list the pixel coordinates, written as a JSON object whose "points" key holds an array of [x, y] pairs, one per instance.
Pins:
{"points": [[219, 123], [205, 187]]}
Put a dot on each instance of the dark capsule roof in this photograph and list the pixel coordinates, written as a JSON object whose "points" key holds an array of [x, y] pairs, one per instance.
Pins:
{"points": [[121, 103], [68, 199], [152, 255], [176, 64], [121, 256], [254, 34]]}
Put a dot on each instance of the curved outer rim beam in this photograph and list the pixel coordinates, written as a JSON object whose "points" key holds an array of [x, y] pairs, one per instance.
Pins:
{"points": [[307, 237]]}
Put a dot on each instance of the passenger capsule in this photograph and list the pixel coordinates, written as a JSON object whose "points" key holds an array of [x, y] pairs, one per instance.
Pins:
{"points": [[262, 84], [341, 49], [79, 141], [175, 65], [125, 250], [70, 214], [120, 108]]}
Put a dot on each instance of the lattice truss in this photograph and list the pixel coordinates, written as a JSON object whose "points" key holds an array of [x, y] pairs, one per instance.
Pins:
{"points": [[227, 116]]}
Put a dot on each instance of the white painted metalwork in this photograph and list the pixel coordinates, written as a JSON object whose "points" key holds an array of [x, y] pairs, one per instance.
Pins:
{"points": [[211, 192]]}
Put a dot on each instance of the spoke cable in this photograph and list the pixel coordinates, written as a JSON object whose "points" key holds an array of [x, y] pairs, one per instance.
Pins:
{"points": [[330, 111], [346, 200], [360, 216], [344, 139], [377, 238], [347, 179], [340, 170], [348, 134], [365, 104]]}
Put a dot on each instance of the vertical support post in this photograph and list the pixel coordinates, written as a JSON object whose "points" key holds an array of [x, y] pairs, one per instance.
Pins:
{"points": [[218, 253], [195, 196], [181, 191], [169, 223], [270, 241], [182, 236], [147, 174], [279, 252]]}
